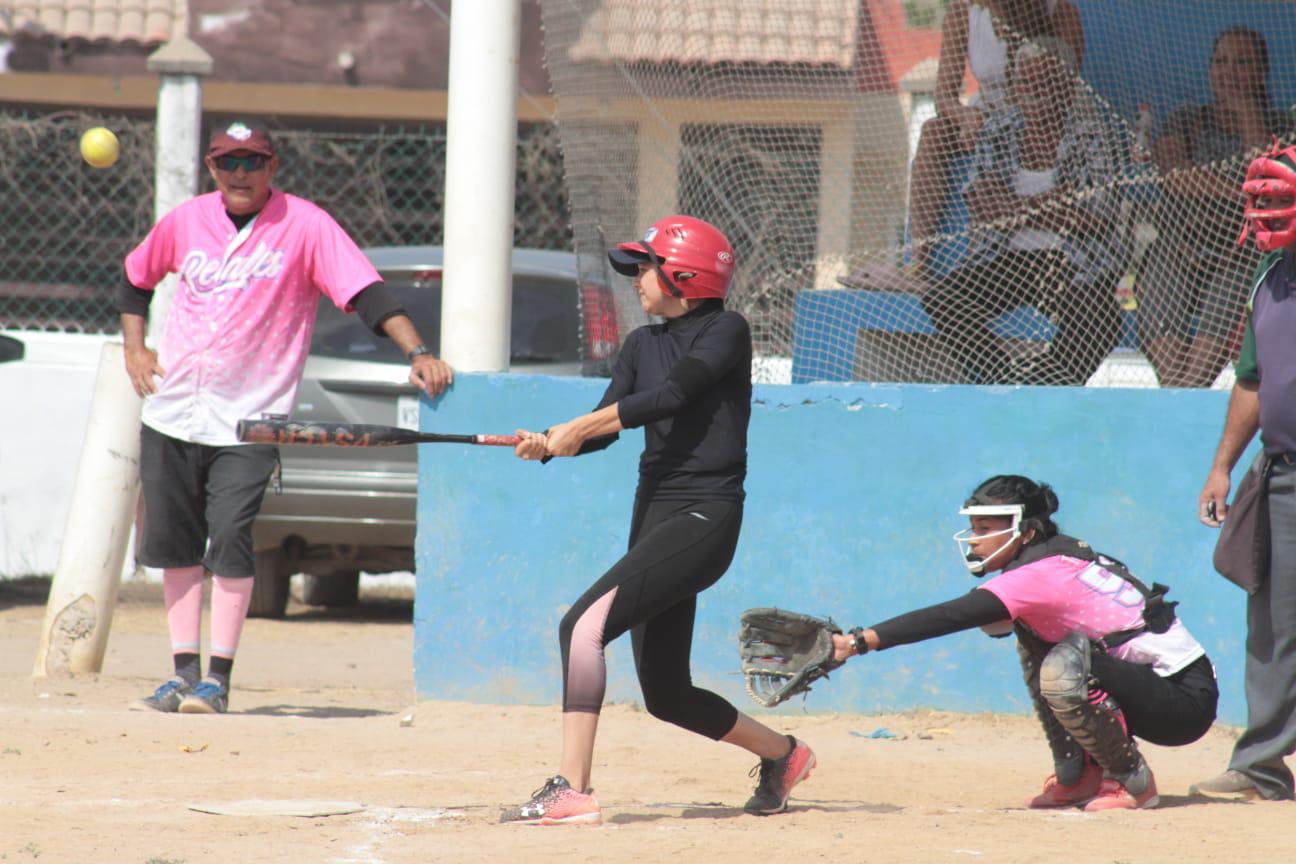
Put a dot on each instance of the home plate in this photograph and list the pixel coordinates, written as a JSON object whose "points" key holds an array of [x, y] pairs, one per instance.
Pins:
{"points": [[280, 807]]}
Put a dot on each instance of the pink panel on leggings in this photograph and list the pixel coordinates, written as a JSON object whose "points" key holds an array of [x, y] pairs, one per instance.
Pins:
{"points": [[586, 665]]}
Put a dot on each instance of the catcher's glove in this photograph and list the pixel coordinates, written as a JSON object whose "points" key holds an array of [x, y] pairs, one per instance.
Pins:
{"points": [[784, 652]]}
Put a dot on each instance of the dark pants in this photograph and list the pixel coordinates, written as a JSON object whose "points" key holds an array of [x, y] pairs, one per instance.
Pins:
{"points": [[1170, 711], [966, 300], [677, 550], [195, 493], [1271, 652]]}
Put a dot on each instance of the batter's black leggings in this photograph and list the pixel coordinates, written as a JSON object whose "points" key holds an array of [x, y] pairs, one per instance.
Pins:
{"points": [[677, 551]]}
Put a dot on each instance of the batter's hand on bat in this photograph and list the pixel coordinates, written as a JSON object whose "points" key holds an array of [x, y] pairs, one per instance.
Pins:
{"points": [[430, 375], [565, 439], [531, 447], [1212, 504], [141, 366]]}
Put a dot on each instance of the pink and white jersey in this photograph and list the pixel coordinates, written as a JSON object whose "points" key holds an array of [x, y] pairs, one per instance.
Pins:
{"points": [[1058, 594], [239, 327]]}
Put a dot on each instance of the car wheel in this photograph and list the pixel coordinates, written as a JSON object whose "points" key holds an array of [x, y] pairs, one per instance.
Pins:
{"points": [[270, 590], [337, 589]]}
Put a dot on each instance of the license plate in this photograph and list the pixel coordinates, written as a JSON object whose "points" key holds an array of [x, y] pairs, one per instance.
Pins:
{"points": [[407, 412]]}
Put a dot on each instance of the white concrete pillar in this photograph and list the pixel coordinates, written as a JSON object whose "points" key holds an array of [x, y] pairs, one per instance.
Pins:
{"points": [[180, 65], [83, 594], [481, 157]]}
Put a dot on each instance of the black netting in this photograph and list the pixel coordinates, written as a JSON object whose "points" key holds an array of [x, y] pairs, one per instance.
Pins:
{"points": [[1061, 209]]}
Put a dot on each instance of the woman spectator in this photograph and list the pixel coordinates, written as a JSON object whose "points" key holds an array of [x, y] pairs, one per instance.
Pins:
{"points": [[1195, 269], [980, 37]]}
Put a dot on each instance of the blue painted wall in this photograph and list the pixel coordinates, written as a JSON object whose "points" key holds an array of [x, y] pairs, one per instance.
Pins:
{"points": [[852, 501]]}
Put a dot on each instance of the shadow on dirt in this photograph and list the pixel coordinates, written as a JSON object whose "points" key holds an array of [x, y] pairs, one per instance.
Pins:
{"points": [[24, 591]]}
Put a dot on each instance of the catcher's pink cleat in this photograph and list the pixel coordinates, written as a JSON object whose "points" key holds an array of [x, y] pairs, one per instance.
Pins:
{"points": [[556, 803], [1056, 795], [777, 777], [1114, 796]]}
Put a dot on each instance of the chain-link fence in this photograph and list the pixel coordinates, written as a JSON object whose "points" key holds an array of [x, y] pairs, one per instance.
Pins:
{"points": [[67, 226]]}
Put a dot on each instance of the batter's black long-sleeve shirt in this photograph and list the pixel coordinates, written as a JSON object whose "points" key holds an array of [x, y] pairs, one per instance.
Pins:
{"points": [[687, 382]]}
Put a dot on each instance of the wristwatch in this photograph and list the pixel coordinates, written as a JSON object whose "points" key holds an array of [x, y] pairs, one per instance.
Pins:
{"points": [[857, 640], [416, 351]]}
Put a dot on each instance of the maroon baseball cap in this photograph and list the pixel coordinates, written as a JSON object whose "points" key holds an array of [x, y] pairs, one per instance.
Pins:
{"points": [[248, 136]]}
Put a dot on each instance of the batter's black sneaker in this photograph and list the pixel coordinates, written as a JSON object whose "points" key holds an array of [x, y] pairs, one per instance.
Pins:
{"points": [[777, 777]]}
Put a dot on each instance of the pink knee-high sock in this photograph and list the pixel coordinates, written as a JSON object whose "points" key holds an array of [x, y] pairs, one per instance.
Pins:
{"points": [[229, 608], [182, 595]]}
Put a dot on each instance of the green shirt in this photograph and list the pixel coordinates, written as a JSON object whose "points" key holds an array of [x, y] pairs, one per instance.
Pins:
{"points": [[1246, 368]]}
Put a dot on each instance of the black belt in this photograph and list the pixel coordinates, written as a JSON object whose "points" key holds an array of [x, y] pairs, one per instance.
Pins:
{"points": [[1288, 458]]}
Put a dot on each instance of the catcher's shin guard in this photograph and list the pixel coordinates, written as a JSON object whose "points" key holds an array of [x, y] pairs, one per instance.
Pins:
{"points": [[1068, 756], [1097, 727]]}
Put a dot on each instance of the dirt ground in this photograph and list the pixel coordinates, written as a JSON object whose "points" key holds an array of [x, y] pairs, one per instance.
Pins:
{"points": [[316, 720]]}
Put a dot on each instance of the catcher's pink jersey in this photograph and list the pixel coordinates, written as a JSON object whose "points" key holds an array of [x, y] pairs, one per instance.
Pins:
{"points": [[239, 327], [1058, 594]]}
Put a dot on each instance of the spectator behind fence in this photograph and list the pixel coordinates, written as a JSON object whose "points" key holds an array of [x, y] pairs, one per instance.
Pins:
{"points": [[983, 37], [1195, 276], [1045, 231]]}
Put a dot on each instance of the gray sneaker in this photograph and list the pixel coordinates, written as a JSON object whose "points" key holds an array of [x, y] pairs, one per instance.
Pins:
{"points": [[166, 698], [1231, 785], [207, 698]]}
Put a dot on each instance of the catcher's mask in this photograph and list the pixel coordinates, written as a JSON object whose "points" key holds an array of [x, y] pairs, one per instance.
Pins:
{"points": [[1028, 504], [963, 539], [1270, 190], [692, 258]]}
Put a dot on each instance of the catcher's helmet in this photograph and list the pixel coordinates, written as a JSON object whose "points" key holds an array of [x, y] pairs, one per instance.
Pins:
{"points": [[1009, 495], [1270, 189], [694, 259]]}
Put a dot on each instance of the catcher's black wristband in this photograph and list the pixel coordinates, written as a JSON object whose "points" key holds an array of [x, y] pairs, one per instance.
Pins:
{"points": [[857, 640]]}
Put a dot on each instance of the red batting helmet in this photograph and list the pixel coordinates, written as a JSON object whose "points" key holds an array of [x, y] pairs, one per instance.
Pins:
{"points": [[1273, 178], [693, 258]]}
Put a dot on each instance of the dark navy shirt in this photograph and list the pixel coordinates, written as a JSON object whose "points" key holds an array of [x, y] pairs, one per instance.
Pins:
{"points": [[695, 447], [1272, 338]]}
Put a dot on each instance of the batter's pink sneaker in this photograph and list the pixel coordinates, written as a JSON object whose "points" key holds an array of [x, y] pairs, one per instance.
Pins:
{"points": [[1082, 792], [777, 777], [556, 803]]}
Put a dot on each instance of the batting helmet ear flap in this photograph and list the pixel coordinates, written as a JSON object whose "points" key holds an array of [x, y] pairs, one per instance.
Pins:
{"points": [[667, 282]]}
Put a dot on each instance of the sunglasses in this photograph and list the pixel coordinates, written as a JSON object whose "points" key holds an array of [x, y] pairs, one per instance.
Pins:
{"points": [[249, 163]]}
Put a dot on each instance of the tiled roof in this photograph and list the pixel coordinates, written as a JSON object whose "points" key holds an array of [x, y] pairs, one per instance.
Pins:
{"points": [[98, 21], [818, 32]]}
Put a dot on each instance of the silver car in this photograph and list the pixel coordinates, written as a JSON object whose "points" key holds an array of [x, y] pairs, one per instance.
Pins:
{"points": [[342, 510]]}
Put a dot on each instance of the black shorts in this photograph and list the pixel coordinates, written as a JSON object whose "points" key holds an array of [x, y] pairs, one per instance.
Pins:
{"points": [[196, 493]]}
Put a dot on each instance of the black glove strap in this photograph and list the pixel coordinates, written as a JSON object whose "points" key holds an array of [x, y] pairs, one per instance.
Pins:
{"points": [[857, 638]]}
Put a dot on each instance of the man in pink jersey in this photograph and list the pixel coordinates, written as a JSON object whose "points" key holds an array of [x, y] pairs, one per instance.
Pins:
{"points": [[1104, 657], [252, 262]]}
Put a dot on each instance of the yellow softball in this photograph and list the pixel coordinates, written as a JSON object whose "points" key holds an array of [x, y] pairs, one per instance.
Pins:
{"points": [[99, 147]]}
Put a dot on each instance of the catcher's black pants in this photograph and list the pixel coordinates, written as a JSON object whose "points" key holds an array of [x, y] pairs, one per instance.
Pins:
{"points": [[677, 550]]}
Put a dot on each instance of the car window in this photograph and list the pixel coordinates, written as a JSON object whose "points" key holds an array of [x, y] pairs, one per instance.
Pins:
{"points": [[546, 322]]}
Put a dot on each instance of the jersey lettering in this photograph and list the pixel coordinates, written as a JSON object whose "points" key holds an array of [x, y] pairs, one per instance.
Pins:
{"points": [[210, 275], [1107, 583]]}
